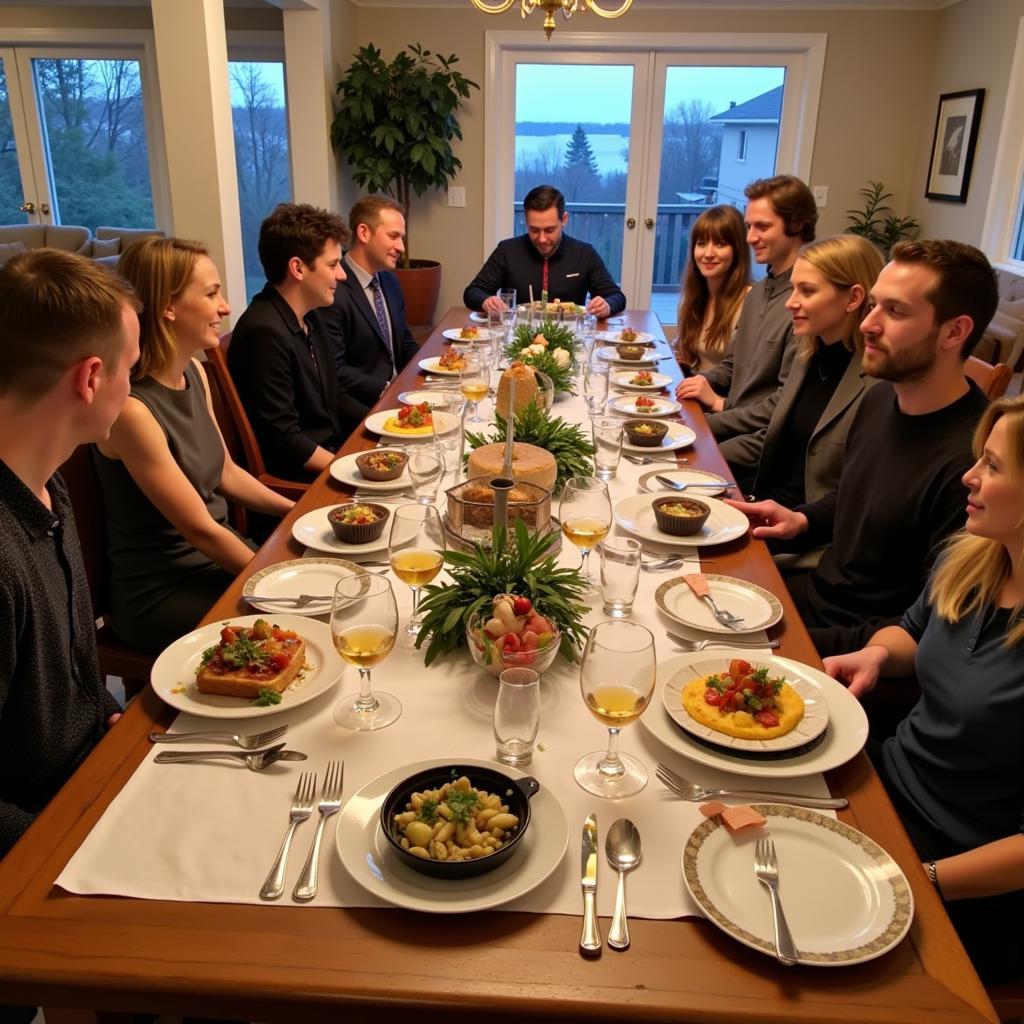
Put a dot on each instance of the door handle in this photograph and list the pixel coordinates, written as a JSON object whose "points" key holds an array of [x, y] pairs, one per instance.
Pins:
{"points": [[649, 223], [630, 222], [44, 208], [28, 207]]}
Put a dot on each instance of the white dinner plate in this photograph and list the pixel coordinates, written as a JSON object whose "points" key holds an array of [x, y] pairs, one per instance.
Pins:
{"points": [[346, 472], [432, 398], [444, 422], [759, 608], [622, 378], [366, 855], [679, 436], [810, 727], [626, 404], [649, 481], [455, 334], [479, 318], [846, 899], [611, 355], [846, 735], [314, 530], [636, 515], [295, 577], [615, 337], [431, 366], [174, 672]]}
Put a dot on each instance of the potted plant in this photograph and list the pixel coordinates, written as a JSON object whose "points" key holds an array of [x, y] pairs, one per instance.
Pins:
{"points": [[876, 222], [394, 126]]}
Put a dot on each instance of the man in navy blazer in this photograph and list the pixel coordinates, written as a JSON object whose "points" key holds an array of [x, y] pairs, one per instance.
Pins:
{"points": [[366, 326]]}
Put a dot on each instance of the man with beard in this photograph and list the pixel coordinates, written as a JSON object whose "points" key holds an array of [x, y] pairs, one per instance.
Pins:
{"points": [[900, 494]]}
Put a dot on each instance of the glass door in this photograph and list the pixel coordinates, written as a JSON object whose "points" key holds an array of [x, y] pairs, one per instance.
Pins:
{"points": [[16, 206]]}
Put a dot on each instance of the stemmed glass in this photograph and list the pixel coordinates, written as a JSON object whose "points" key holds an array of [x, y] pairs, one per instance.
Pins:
{"points": [[364, 623], [616, 679], [586, 516], [474, 382], [416, 553]]}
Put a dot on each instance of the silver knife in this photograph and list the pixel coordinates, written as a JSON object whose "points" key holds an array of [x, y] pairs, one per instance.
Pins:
{"points": [[590, 940]]}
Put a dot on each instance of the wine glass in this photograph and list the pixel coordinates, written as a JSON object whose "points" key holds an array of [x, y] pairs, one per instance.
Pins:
{"points": [[586, 516], [416, 552], [364, 624], [617, 679], [474, 382]]}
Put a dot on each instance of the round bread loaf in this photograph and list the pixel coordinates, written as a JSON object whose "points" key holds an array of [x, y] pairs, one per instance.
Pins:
{"points": [[529, 463], [525, 388]]}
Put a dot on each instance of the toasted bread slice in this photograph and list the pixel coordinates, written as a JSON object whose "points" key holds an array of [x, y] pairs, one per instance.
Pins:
{"points": [[219, 677]]}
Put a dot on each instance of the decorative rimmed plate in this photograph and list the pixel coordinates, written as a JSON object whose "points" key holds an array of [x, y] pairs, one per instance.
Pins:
{"points": [[615, 337], [314, 530], [174, 672], [455, 334], [810, 727], [298, 576], [419, 397], [823, 863], [679, 436], [846, 735], [759, 608], [366, 856], [725, 523], [611, 355], [432, 365], [375, 424], [346, 472], [621, 379], [649, 481], [626, 404]]}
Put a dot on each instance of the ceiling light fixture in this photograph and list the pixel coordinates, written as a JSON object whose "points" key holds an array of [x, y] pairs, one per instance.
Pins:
{"points": [[567, 7]]}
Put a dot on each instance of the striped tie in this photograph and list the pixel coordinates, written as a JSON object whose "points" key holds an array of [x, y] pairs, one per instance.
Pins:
{"points": [[378, 308]]}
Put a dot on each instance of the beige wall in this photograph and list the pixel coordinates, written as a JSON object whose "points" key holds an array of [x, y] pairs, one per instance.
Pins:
{"points": [[266, 19], [344, 43], [876, 85], [973, 50]]}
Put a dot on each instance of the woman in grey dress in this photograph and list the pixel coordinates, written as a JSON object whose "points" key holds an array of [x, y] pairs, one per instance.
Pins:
{"points": [[164, 470]]}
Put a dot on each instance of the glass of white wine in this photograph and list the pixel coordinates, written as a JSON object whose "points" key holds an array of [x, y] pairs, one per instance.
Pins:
{"points": [[474, 383], [416, 552], [586, 516], [617, 679], [364, 624]]}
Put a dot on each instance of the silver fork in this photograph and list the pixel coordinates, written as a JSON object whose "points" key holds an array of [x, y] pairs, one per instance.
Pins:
{"points": [[689, 791], [663, 564], [724, 617], [699, 645], [245, 742], [297, 602], [646, 460], [302, 808], [766, 869], [330, 803]]}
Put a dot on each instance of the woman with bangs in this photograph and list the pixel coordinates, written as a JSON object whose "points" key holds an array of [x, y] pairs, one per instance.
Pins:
{"points": [[802, 448], [716, 279], [955, 767], [164, 470]]}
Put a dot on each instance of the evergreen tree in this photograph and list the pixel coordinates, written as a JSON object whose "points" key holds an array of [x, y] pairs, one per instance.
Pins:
{"points": [[578, 152], [582, 181]]}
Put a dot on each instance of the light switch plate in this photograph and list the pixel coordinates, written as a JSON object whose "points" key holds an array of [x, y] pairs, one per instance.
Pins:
{"points": [[821, 196], [456, 195]]}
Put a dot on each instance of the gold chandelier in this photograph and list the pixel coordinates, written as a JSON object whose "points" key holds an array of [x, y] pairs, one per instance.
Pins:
{"points": [[567, 7]]}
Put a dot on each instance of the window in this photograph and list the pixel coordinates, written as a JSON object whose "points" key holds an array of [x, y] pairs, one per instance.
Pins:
{"points": [[741, 145]]}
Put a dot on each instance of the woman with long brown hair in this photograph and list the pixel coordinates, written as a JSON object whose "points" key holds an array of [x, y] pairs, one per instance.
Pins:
{"points": [[716, 278], [955, 767]]}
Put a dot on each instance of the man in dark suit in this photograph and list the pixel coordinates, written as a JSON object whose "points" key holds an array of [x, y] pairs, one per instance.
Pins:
{"points": [[279, 357], [366, 324]]}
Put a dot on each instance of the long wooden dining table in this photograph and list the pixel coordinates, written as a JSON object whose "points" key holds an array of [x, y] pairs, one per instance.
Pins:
{"points": [[77, 955]]}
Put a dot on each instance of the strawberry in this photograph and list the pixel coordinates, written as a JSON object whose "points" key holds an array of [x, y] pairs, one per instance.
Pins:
{"points": [[522, 606]]}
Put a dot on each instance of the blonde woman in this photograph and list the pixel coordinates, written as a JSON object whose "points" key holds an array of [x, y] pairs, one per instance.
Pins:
{"points": [[802, 449], [164, 469], [716, 279], [955, 767]]}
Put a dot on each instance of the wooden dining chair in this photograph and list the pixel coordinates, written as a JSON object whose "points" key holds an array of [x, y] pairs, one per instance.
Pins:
{"points": [[115, 657], [993, 380]]}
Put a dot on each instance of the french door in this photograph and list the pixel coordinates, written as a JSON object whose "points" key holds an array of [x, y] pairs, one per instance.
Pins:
{"points": [[641, 139]]}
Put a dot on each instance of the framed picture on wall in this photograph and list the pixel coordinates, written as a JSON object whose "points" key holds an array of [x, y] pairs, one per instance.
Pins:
{"points": [[956, 133]]}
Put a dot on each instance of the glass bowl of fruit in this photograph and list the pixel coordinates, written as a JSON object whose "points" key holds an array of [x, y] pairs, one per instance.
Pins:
{"points": [[512, 635]]}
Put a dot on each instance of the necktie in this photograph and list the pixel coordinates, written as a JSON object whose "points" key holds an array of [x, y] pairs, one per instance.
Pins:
{"points": [[378, 308]]}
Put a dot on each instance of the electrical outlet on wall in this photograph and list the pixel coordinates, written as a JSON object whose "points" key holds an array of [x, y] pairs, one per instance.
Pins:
{"points": [[820, 196], [456, 195]]}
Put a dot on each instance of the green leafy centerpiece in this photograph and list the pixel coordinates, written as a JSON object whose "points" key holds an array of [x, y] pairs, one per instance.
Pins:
{"points": [[571, 448], [517, 563], [548, 348]]}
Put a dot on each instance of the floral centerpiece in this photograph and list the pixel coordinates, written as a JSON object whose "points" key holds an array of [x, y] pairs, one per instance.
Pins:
{"points": [[548, 348]]}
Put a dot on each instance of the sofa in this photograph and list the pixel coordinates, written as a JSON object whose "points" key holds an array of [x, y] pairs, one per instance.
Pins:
{"points": [[1003, 341], [105, 246]]}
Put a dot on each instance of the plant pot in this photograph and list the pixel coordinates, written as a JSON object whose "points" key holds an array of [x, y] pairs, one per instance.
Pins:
{"points": [[421, 288]]}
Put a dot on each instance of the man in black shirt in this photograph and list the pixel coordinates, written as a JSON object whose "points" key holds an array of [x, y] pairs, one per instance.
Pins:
{"points": [[546, 260], [900, 494], [71, 337]]}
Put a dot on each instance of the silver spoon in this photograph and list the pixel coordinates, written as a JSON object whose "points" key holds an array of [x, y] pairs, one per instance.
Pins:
{"points": [[256, 761], [623, 850]]}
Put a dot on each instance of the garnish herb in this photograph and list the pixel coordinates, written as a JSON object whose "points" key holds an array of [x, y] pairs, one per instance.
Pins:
{"points": [[267, 697]]}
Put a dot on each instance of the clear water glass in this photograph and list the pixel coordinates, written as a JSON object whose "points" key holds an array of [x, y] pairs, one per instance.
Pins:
{"points": [[595, 386], [517, 716], [607, 432], [620, 574], [426, 468], [508, 297]]}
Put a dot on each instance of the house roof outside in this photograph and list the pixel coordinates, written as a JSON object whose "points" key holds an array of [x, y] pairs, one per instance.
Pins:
{"points": [[763, 109]]}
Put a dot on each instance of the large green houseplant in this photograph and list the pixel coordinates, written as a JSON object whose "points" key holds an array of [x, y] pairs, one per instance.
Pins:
{"points": [[876, 221], [395, 125]]}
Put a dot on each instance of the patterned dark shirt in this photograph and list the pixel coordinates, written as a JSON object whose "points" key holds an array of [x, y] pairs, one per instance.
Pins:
{"points": [[53, 704]]}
